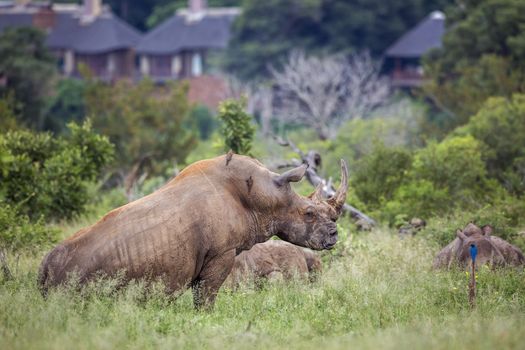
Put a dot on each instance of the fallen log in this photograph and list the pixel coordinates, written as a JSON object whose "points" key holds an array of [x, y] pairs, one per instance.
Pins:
{"points": [[313, 160]]}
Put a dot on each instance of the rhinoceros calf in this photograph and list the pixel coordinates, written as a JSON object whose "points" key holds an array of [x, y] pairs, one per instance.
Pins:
{"points": [[491, 249], [188, 232], [273, 260]]}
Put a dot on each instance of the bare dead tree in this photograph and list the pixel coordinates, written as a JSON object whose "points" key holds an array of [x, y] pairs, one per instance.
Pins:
{"points": [[322, 92], [313, 159]]}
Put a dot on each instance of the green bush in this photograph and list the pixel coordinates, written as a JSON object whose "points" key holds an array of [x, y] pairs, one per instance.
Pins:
{"points": [[500, 125], [236, 128], [46, 176], [380, 173], [18, 231], [418, 198]]}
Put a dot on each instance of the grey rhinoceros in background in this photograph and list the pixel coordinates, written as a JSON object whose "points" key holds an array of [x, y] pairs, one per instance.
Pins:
{"points": [[188, 232], [492, 250]]}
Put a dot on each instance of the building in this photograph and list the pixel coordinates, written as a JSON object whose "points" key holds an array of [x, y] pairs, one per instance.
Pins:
{"points": [[403, 58], [89, 34], [179, 47]]}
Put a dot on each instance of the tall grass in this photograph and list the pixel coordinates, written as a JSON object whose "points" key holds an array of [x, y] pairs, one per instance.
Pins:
{"points": [[379, 293]]}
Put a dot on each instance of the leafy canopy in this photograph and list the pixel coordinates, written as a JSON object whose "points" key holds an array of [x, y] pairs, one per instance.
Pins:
{"points": [[483, 55], [145, 123], [236, 128], [29, 71]]}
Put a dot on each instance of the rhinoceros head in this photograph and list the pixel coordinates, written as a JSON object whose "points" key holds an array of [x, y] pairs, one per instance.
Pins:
{"points": [[488, 253], [310, 221]]}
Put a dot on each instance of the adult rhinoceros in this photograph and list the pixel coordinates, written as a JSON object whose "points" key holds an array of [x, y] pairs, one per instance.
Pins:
{"points": [[188, 232], [491, 249]]}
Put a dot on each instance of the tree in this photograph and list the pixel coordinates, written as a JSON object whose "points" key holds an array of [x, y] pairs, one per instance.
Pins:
{"points": [[28, 69], [65, 105], [145, 123], [322, 92], [483, 55], [267, 31], [500, 126], [165, 10], [236, 128]]}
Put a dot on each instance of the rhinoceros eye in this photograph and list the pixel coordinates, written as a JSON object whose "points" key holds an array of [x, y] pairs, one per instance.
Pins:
{"points": [[309, 214]]}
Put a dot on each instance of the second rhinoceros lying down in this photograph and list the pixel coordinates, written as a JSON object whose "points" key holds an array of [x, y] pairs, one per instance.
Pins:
{"points": [[491, 249], [273, 260], [187, 233]]}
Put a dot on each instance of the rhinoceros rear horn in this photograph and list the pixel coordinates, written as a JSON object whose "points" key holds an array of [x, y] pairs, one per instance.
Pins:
{"points": [[339, 198], [487, 230], [292, 175]]}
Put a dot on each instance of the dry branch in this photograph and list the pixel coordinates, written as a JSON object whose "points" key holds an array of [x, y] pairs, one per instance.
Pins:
{"points": [[313, 159]]}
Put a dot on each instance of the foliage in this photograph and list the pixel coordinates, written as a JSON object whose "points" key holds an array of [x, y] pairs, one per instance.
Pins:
{"points": [[163, 11], [267, 31], [204, 120], [28, 69], [145, 123], [66, 105], [18, 231], [379, 174], [46, 176], [8, 116], [500, 125], [236, 128], [483, 55]]}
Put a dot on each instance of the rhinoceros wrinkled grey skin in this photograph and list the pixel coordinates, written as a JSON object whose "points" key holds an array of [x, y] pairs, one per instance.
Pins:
{"points": [[187, 232], [273, 260], [492, 250]]}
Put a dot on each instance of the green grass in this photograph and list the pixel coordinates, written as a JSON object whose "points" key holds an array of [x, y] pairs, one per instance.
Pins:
{"points": [[380, 292]]}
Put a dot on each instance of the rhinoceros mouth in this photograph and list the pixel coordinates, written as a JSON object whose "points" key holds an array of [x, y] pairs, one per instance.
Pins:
{"points": [[328, 245]]}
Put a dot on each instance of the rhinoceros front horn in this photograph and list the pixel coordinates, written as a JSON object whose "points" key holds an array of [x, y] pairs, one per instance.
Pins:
{"points": [[339, 197], [292, 175]]}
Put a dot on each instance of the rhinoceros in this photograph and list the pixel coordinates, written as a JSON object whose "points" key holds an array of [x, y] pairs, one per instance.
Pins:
{"points": [[188, 232], [273, 260], [491, 249]]}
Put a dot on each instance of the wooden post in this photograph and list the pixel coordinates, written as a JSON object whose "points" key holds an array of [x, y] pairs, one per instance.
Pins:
{"points": [[472, 286]]}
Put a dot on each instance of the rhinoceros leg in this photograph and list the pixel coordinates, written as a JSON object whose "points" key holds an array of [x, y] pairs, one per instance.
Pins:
{"points": [[209, 281]]}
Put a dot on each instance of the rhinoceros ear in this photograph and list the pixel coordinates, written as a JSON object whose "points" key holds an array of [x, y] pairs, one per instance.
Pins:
{"points": [[292, 175], [487, 230], [461, 235], [317, 194]]}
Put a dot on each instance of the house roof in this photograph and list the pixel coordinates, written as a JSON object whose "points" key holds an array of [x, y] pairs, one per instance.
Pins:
{"points": [[105, 33], [209, 30], [424, 36], [71, 30]]}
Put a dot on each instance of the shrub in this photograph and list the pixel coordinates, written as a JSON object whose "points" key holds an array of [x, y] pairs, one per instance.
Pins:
{"points": [[237, 128], [46, 176], [379, 174], [17, 231], [454, 165], [500, 125], [419, 198]]}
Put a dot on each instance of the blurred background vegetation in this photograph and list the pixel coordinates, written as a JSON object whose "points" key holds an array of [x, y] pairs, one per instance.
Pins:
{"points": [[453, 148]]}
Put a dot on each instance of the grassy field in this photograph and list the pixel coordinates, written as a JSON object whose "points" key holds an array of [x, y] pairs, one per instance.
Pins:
{"points": [[378, 292]]}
